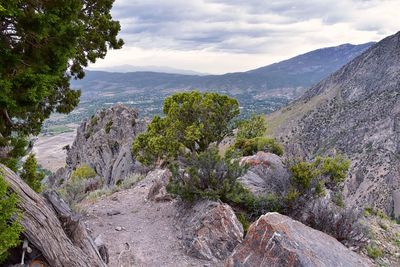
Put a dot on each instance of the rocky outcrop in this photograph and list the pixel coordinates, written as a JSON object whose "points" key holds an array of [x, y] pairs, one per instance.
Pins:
{"points": [[266, 174], [210, 230], [355, 112], [277, 240], [104, 143], [160, 179]]}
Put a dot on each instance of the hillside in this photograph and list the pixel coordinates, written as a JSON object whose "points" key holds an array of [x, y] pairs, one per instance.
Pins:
{"points": [[356, 112]]}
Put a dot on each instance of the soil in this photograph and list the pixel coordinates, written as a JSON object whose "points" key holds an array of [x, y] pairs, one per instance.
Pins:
{"points": [[138, 232]]}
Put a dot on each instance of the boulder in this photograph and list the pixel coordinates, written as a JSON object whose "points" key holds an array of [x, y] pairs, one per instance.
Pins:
{"points": [[160, 179], [267, 174], [104, 143], [277, 240], [210, 230]]}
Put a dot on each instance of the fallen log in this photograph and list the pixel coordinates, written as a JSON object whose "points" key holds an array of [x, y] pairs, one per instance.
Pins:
{"points": [[52, 228]]}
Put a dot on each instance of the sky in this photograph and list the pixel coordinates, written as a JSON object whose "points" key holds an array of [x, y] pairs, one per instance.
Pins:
{"points": [[220, 36]]}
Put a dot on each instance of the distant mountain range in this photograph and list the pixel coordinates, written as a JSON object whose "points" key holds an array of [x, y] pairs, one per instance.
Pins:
{"points": [[287, 79], [162, 69], [354, 112]]}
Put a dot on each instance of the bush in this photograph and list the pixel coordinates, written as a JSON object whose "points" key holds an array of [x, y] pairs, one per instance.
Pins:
{"points": [[374, 251], [10, 228], [206, 175], [82, 180], [304, 175], [83, 172], [108, 126], [342, 224], [252, 128], [209, 176], [248, 147], [30, 173]]}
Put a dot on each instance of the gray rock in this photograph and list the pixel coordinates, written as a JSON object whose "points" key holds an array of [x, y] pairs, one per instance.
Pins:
{"points": [[210, 230], [104, 143], [267, 174], [160, 179], [276, 240]]}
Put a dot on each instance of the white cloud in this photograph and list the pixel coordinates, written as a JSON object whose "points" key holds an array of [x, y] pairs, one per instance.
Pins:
{"points": [[218, 36]]}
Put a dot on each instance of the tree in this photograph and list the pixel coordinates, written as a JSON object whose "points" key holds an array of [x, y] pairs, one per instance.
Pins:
{"points": [[10, 229], [192, 122], [43, 44], [30, 173], [253, 127]]}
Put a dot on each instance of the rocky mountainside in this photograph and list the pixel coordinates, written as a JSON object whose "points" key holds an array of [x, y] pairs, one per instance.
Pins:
{"points": [[104, 142], [355, 112]]}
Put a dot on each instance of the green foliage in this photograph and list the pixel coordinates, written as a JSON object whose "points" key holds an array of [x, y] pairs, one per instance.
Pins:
{"points": [[374, 251], [208, 176], [83, 172], [248, 147], [252, 128], [15, 145], [244, 221], [43, 44], [304, 174], [31, 175], [108, 126], [321, 173], [10, 228], [192, 122], [336, 168]]}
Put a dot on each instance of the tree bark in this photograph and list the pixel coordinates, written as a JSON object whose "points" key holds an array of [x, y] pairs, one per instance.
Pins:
{"points": [[52, 228]]}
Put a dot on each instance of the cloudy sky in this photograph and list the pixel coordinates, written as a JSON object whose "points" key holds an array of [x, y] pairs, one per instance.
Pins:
{"points": [[219, 36]]}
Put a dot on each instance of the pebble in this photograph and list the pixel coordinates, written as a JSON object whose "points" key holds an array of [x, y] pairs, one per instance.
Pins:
{"points": [[118, 228]]}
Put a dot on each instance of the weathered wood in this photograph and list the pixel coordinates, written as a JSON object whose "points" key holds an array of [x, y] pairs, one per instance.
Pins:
{"points": [[52, 229]]}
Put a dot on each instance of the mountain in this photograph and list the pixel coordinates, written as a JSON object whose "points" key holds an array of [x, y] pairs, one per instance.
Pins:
{"points": [[129, 68], [288, 78], [356, 112], [260, 91]]}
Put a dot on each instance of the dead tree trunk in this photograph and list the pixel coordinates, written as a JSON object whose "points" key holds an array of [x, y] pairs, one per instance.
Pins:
{"points": [[52, 229]]}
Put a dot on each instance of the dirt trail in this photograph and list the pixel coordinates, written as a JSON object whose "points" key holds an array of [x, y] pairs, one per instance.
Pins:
{"points": [[141, 232]]}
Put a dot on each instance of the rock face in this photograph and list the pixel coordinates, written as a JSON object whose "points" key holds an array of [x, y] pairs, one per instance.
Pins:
{"points": [[355, 112], [277, 240], [104, 143], [210, 230], [267, 174]]}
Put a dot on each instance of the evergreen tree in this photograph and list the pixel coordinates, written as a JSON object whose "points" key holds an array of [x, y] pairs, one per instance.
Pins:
{"points": [[43, 44], [10, 229], [30, 174]]}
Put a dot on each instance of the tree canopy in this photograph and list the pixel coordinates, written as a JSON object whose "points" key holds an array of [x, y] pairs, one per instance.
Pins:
{"points": [[43, 44], [192, 122]]}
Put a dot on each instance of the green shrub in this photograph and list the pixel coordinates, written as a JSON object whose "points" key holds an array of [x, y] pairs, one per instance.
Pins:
{"points": [[81, 181], [336, 168], [31, 175], [253, 127], [374, 251], [206, 176], [304, 174], [94, 120], [244, 221], [108, 126], [10, 228], [248, 147], [83, 172]]}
